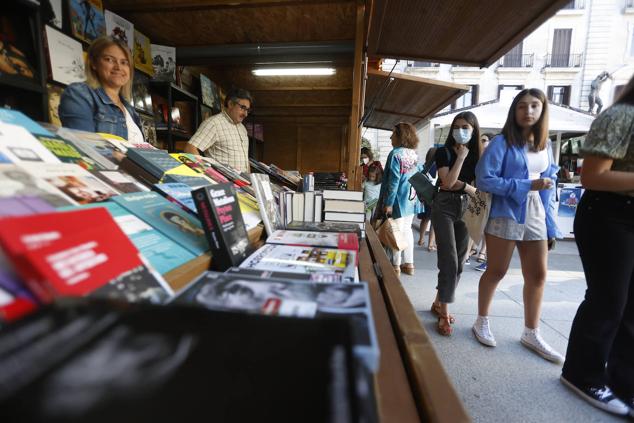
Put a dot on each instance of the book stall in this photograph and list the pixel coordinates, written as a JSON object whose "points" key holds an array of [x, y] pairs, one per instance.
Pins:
{"points": [[139, 282]]}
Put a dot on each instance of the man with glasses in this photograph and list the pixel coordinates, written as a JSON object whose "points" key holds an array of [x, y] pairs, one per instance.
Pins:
{"points": [[223, 136]]}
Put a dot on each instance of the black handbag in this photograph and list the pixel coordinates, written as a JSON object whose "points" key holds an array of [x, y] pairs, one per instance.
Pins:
{"points": [[425, 189]]}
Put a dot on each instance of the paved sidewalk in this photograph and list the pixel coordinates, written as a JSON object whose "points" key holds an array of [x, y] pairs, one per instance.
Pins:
{"points": [[507, 383]]}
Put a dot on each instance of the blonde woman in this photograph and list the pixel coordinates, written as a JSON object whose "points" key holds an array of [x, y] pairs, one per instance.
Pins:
{"points": [[102, 103]]}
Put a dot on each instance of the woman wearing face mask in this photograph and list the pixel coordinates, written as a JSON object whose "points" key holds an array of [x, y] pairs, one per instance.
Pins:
{"points": [[456, 163], [367, 160], [518, 169]]}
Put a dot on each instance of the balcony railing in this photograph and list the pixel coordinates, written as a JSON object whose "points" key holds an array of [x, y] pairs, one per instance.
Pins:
{"points": [[563, 60], [517, 61], [417, 64], [576, 4]]}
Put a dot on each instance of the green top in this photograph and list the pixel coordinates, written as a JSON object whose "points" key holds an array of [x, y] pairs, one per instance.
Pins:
{"points": [[612, 135]]}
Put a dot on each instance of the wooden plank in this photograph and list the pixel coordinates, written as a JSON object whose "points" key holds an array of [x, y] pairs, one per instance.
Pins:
{"points": [[434, 394], [354, 134], [395, 402]]}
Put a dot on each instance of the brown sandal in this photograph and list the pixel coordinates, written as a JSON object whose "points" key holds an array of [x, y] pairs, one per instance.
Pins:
{"points": [[408, 269], [444, 325], [435, 309]]}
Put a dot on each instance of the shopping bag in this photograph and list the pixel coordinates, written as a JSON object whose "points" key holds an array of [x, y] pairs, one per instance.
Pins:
{"points": [[390, 235], [477, 214]]}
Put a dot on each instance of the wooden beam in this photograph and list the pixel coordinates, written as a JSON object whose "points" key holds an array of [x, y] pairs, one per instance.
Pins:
{"points": [[353, 152], [140, 6]]}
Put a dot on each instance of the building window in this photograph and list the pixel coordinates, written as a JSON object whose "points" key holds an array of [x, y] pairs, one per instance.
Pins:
{"points": [[509, 88], [559, 94], [561, 48], [470, 98]]}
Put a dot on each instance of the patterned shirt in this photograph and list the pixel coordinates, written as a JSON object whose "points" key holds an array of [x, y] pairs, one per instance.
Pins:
{"points": [[222, 139], [612, 135]]}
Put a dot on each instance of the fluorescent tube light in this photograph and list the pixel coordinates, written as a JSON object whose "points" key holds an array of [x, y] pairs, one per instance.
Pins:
{"points": [[293, 71]]}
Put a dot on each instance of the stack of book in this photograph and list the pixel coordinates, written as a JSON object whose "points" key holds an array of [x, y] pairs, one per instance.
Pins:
{"points": [[344, 207], [331, 180], [301, 206]]}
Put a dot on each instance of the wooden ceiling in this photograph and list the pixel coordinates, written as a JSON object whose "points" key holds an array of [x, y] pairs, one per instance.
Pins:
{"points": [[465, 32], [395, 98]]}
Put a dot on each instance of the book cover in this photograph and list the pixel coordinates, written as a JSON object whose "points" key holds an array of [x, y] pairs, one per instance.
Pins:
{"points": [[157, 162], [141, 98], [297, 298], [65, 57], [78, 253], [178, 193], [66, 152], [194, 181], [168, 218], [86, 19], [142, 53], [268, 274], [107, 154], [266, 202], [17, 182], [345, 206], [12, 307], [15, 117], [330, 194], [148, 127], [209, 93], [164, 62], [120, 181], [119, 28], [78, 184], [137, 172], [19, 146], [220, 214], [326, 264], [309, 206], [324, 226], [161, 252], [339, 240], [54, 96], [23, 205]]}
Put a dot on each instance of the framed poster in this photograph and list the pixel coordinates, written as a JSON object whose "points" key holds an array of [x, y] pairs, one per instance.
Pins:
{"points": [[17, 46], [205, 90], [119, 28], [164, 62], [86, 19], [142, 53], [66, 57]]}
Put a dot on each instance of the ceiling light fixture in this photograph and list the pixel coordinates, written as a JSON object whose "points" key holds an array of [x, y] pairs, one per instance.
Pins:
{"points": [[293, 71]]}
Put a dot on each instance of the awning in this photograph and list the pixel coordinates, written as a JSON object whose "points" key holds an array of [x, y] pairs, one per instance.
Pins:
{"points": [[474, 33], [492, 115], [405, 98]]}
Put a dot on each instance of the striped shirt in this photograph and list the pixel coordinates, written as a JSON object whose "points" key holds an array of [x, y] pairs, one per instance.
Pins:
{"points": [[220, 138]]}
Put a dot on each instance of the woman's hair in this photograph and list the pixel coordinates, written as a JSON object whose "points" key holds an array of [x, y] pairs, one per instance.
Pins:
{"points": [[627, 95], [406, 134], [430, 156], [474, 143], [513, 132], [367, 152], [489, 135], [375, 168], [92, 59]]}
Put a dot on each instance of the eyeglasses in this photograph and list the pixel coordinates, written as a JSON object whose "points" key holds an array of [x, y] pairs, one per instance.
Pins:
{"points": [[113, 60], [242, 107]]}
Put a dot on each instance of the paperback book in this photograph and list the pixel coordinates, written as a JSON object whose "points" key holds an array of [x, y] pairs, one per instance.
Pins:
{"points": [[15, 117], [67, 153], [23, 205], [94, 146], [17, 182], [340, 240], [266, 202], [323, 264], [18, 146], [179, 194], [78, 253], [120, 28], [142, 53], [168, 218], [221, 218], [65, 56], [86, 19], [164, 62]]}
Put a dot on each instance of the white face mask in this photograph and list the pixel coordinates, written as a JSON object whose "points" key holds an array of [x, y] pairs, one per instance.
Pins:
{"points": [[461, 135], [366, 160]]}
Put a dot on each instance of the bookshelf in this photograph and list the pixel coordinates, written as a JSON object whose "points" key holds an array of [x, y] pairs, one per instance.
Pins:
{"points": [[173, 94], [21, 23]]}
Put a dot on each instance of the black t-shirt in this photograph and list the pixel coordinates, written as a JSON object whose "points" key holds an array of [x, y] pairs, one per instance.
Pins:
{"points": [[467, 172]]}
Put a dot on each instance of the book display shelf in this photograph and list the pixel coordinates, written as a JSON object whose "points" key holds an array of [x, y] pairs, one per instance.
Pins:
{"points": [[178, 116]]}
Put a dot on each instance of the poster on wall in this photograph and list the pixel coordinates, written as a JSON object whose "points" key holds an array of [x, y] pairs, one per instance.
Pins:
{"points": [[54, 96], [568, 201], [66, 57], [164, 62], [17, 49], [86, 19], [142, 53], [119, 28]]}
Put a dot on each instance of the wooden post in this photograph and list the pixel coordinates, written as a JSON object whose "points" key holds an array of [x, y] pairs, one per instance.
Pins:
{"points": [[354, 135]]}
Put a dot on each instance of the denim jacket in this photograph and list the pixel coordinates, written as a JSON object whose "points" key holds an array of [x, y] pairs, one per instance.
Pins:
{"points": [[396, 190], [88, 109], [503, 171]]}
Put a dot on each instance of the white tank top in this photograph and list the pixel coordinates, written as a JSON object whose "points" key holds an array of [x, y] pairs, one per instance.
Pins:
{"points": [[537, 163], [135, 136]]}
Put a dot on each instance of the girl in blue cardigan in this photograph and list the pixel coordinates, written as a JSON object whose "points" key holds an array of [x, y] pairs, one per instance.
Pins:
{"points": [[518, 169]]}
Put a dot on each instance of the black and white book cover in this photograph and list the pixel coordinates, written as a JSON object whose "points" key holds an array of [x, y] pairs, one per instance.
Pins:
{"points": [[266, 200], [120, 28], [164, 62], [65, 57], [220, 215]]}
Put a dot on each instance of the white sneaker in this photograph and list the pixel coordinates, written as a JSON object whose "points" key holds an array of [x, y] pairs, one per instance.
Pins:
{"points": [[600, 396], [533, 340], [482, 331]]}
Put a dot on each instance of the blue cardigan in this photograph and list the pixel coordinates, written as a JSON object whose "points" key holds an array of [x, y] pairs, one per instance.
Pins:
{"points": [[503, 171]]}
